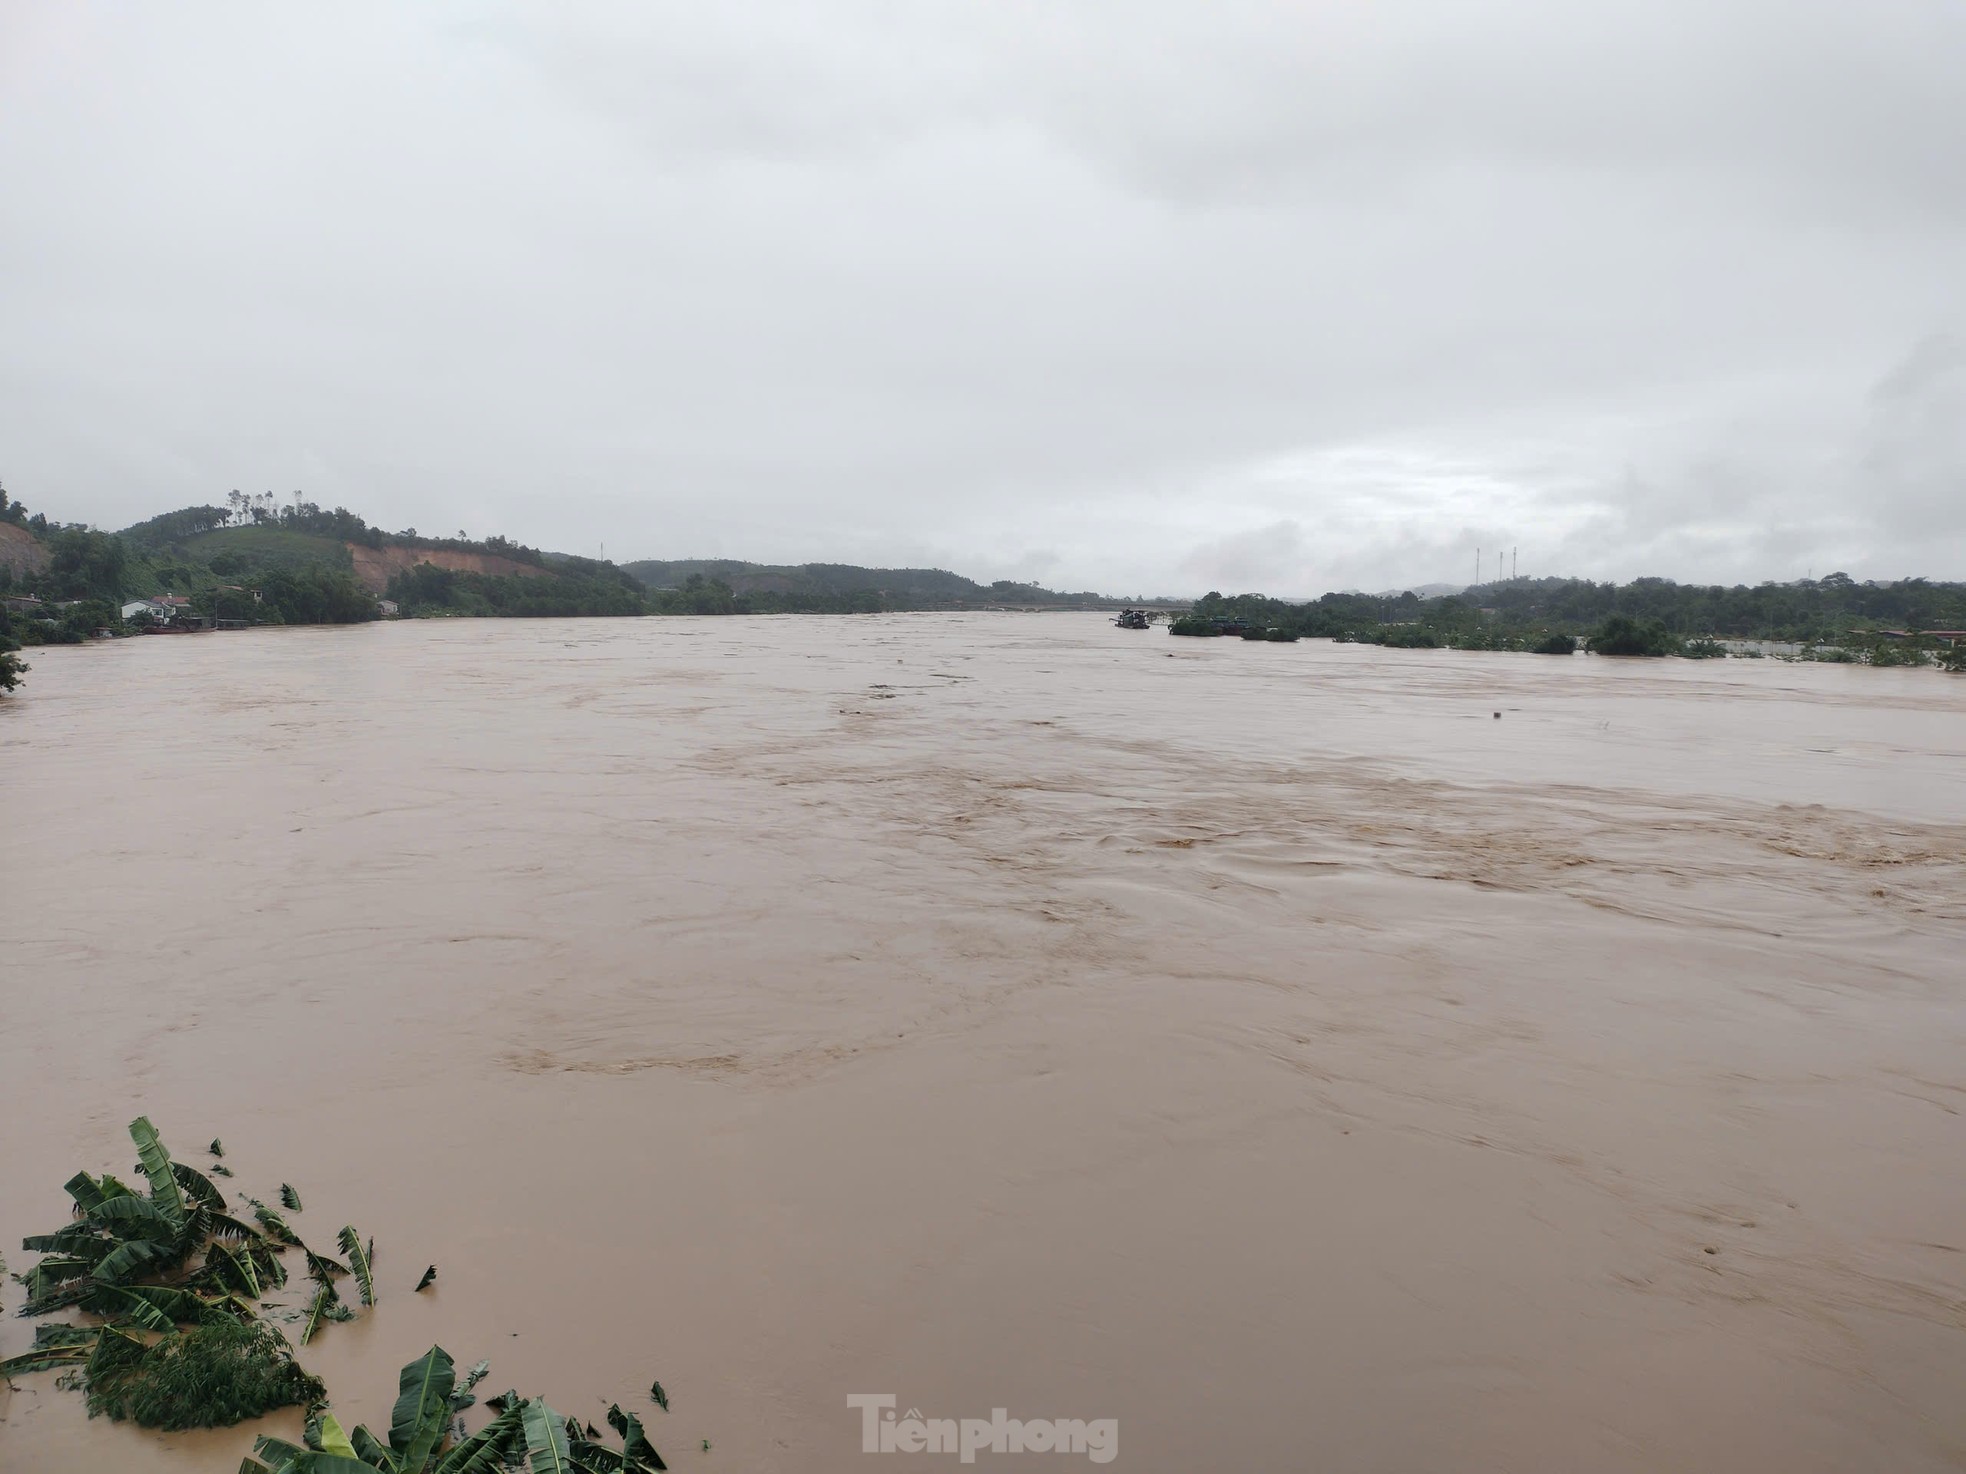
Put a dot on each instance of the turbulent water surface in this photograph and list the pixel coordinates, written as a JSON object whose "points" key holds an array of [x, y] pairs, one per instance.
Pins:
{"points": [[1266, 1046]]}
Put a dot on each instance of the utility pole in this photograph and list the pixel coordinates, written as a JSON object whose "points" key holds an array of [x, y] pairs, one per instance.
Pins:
{"points": [[1477, 567]]}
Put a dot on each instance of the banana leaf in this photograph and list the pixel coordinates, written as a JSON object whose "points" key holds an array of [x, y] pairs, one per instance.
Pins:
{"points": [[199, 1188], [275, 1226], [164, 1189], [597, 1458], [333, 1439], [225, 1227], [315, 1461], [136, 1218], [138, 1254], [158, 1307], [150, 1307], [86, 1191], [44, 1295], [358, 1261], [421, 1416], [322, 1269], [58, 1333], [635, 1445], [461, 1397], [289, 1199], [270, 1455], [54, 1346], [266, 1264], [547, 1451], [323, 1298], [235, 1269], [81, 1241], [56, 1269], [369, 1449], [488, 1448]]}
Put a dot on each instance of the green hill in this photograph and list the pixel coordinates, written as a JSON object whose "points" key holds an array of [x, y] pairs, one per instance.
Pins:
{"points": [[917, 588], [234, 550]]}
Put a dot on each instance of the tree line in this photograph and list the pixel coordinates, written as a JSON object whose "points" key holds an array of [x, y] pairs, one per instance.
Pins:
{"points": [[1653, 614]]}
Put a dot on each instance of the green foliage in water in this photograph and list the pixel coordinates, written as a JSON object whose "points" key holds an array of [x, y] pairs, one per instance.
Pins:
{"points": [[174, 1280], [1409, 639], [181, 1337], [425, 1435], [210, 1376], [1703, 649], [1194, 625], [1555, 644], [1893, 652], [1623, 635]]}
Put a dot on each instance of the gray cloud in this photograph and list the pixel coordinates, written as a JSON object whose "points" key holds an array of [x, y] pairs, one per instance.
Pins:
{"points": [[1180, 295]]}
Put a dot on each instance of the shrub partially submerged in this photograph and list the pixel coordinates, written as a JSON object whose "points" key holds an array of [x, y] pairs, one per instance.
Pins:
{"points": [[211, 1376], [1623, 635], [1191, 624]]}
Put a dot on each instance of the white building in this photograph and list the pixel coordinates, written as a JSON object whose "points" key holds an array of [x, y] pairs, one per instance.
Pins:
{"points": [[163, 609]]}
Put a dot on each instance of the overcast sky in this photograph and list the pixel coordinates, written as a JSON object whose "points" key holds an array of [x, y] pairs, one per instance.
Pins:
{"points": [[1142, 295]]}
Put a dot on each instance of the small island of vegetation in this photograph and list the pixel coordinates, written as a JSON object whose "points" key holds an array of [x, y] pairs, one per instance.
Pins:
{"points": [[1908, 622]]}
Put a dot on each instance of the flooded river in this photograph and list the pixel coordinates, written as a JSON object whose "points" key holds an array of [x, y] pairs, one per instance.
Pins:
{"points": [[1265, 1046]]}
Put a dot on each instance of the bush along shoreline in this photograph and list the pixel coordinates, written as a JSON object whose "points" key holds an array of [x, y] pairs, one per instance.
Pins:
{"points": [[166, 1310]]}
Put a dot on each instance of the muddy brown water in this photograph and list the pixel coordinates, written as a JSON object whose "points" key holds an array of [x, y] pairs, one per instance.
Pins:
{"points": [[1264, 1046]]}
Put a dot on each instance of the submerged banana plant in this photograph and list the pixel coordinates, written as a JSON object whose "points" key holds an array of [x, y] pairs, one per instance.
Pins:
{"points": [[425, 1436], [177, 1284], [123, 1247], [176, 1281]]}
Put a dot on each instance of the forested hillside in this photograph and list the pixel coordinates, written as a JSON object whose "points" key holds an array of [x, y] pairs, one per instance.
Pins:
{"points": [[823, 587]]}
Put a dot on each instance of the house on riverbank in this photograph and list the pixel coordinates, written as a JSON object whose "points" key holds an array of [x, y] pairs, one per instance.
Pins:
{"points": [[162, 609]]}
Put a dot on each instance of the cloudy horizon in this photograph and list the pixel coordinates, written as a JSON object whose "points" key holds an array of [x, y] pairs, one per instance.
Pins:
{"points": [[1148, 297]]}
